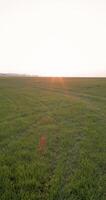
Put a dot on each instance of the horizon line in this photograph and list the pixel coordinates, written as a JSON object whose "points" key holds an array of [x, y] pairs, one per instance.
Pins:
{"points": [[11, 74]]}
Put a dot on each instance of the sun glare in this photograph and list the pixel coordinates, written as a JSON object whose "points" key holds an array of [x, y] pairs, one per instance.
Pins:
{"points": [[37, 38]]}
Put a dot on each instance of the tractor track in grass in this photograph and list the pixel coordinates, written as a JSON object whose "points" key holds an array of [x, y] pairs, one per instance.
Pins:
{"points": [[70, 93], [73, 125], [30, 101], [9, 119], [16, 134], [88, 99], [54, 90], [22, 115]]}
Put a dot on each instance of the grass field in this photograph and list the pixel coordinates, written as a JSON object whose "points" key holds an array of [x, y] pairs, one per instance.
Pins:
{"points": [[52, 139]]}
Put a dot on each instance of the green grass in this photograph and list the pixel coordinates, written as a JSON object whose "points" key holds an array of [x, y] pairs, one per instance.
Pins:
{"points": [[52, 139]]}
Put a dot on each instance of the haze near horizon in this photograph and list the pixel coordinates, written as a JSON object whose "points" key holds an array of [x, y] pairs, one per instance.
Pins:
{"points": [[53, 37]]}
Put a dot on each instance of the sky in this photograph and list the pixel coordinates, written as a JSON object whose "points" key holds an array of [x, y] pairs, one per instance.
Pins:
{"points": [[53, 37]]}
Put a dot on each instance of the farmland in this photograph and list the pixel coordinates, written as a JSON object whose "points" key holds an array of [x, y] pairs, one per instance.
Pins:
{"points": [[52, 138]]}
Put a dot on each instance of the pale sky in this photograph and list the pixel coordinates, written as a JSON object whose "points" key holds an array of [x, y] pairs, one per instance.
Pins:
{"points": [[53, 37]]}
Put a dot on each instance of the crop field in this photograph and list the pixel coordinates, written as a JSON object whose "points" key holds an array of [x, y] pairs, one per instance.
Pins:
{"points": [[52, 138]]}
